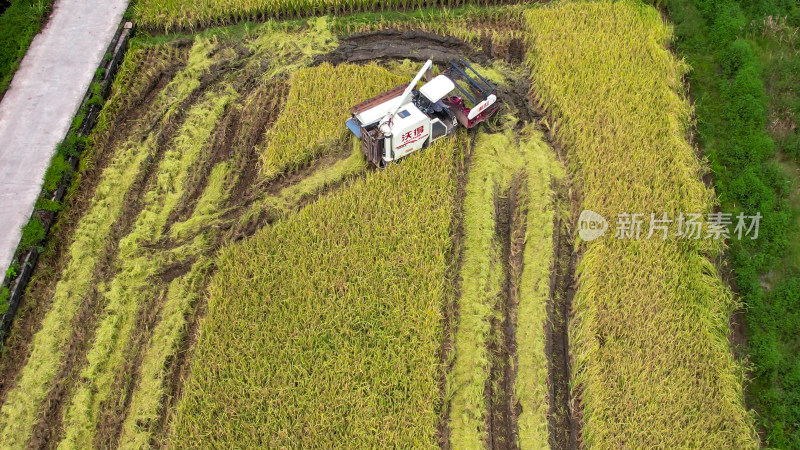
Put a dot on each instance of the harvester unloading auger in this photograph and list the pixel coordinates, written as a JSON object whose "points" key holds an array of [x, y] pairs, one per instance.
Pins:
{"points": [[402, 120]]}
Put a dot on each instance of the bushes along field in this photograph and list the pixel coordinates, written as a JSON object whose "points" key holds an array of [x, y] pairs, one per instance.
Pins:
{"points": [[313, 335], [651, 360], [19, 24], [745, 85]]}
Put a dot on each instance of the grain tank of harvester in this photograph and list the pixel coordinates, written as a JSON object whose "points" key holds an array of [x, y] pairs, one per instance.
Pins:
{"points": [[402, 120]]}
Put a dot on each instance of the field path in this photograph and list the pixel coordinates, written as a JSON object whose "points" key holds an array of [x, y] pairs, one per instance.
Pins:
{"points": [[45, 93]]}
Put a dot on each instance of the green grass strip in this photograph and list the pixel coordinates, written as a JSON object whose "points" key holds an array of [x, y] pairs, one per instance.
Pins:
{"points": [[19, 24]]}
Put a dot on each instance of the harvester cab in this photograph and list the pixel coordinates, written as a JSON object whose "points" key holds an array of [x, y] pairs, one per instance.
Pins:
{"points": [[402, 120]]}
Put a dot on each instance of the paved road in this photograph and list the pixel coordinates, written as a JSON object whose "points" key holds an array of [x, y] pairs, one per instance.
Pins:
{"points": [[36, 112]]}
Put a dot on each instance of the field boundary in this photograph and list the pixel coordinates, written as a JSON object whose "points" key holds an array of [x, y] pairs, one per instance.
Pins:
{"points": [[86, 119]]}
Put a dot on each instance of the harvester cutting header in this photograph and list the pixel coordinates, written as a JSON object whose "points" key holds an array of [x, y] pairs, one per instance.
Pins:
{"points": [[402, 120]]}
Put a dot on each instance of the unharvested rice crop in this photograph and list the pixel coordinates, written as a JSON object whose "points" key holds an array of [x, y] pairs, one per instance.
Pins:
{"points": [[313, 336], [177, 14], [319, 102], [651, 360]]}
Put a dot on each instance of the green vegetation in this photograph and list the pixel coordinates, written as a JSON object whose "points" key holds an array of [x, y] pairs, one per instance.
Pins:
{"points": [[18, 26], [312, 336], [32, 233], [739, 55], [649, 332]]}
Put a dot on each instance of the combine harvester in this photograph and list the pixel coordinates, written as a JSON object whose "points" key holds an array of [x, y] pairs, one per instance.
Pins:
{"points": [[402, 120]]}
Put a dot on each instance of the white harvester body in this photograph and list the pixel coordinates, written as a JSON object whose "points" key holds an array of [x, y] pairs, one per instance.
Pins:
{"points": [[402, 120]]}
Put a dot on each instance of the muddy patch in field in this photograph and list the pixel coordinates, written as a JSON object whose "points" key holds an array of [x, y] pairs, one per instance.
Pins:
{"points": [[450, 307], [391, 44], [502, 345]]}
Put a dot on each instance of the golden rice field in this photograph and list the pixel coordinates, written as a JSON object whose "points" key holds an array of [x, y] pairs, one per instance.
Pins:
{"points": [[173, 15], [319, 102], [327, 341], [651, 361], [231, 274]]}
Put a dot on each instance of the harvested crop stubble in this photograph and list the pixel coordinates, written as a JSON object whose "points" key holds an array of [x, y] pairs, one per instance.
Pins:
{"points": [[496, 158], [137, 264], [319, 102], [649, 333], [324, 329], [481, 284], [530, 388]]}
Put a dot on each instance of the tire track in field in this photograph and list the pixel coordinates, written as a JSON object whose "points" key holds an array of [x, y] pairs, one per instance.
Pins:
{"points": [[563, 420], [502, 413], [450, 308]]}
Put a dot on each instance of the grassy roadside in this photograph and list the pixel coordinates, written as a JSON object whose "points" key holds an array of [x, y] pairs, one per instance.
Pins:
{"points": [[744, 83], [18, 26]]}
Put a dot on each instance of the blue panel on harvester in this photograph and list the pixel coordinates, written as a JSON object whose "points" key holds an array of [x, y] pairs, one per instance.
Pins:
{"points": [[352, 124]]}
